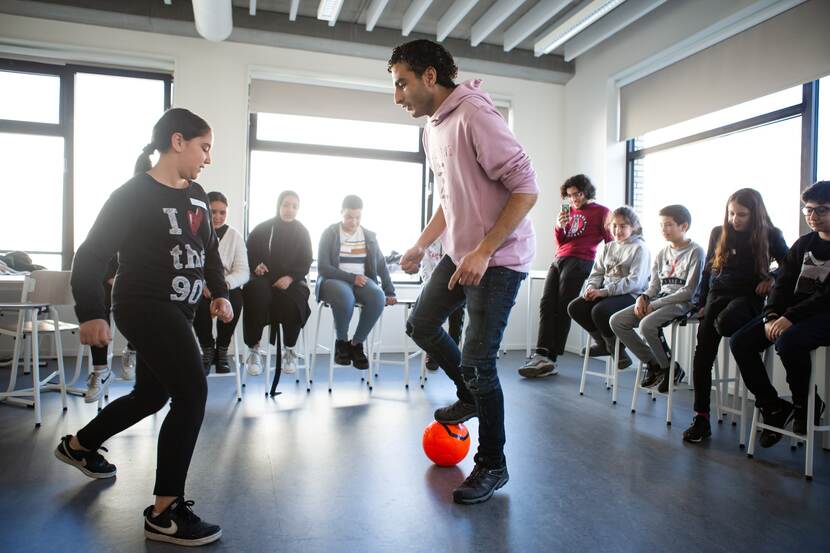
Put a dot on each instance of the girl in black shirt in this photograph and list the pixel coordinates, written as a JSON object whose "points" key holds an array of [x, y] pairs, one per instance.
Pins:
{"points": [[735, 281], [159, 224]]}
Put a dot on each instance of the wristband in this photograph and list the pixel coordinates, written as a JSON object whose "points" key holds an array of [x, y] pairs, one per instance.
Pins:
{"points": [[768, 318]]}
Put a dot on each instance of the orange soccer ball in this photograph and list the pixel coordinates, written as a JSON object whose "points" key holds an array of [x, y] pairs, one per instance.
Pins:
{"points": [[446, 444]]}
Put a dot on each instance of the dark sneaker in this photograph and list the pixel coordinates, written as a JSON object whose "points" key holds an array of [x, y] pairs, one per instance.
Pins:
{"points": [[90, 463], [800, 416], [430, 363], [623, 361], [456, 413], [538, 366], [208, 358], [359, 359], [778, 417], [342, 352], [597, 350], [480, 485], [222, 364], [699, 431], [179, 524], [653, 376], [679, 374]]}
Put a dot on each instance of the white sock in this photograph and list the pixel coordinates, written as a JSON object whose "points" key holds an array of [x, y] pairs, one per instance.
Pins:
{"points": [[99, 369]]}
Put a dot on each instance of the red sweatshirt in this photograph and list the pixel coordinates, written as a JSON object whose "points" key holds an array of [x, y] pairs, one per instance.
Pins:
{"points": [[583, 232]]}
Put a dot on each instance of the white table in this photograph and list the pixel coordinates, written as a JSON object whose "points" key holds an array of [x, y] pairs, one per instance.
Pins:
{"points": [[532, 276]]}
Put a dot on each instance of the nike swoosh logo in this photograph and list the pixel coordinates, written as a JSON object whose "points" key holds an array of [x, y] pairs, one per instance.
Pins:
{"points": [[104, 380], [170, 530]]}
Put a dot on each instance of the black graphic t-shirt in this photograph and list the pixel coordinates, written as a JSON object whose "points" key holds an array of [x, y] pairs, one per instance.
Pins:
{"points": [[166, 249], [802, 289]]}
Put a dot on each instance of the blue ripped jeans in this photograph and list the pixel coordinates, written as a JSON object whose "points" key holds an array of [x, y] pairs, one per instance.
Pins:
{"points": [[473, 370]]}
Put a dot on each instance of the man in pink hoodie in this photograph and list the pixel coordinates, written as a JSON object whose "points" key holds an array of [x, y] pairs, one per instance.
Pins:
{"points": [[487, 186]]}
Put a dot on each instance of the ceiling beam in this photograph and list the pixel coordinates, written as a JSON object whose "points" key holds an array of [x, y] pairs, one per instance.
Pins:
{"points": [[608, 26], [413, 15], [538, 15], [252, 7], [453, 17], [492, 18], [292, 11], [373, 13], [563, 31]]}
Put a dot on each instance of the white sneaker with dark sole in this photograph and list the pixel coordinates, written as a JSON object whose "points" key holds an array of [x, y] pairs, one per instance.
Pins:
{"points": [[96, 383], [538, 367]]}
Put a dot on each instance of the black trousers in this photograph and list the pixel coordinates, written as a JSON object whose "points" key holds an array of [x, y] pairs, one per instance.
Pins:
{"points": [[793, 347], [203, 323], [169, 366], [265, 305], [562, 285], [723, 315], [593, 316]]}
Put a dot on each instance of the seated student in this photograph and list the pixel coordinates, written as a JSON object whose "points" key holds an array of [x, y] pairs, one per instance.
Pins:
{"points": [[579, 229], [234, 258], [736, 278], [619, 275], [675, 278], [349, 264], [279, 254], [432, 256], [796, 319]]}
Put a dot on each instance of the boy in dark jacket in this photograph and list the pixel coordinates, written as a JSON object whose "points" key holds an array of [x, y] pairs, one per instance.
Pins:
{"points": [[796, 319]]}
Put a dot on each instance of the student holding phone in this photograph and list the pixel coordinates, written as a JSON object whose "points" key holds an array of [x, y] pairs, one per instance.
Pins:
{"points": [[581, 226]]}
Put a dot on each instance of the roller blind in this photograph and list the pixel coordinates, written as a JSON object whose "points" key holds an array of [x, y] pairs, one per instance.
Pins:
{"points": [[784, 51], [324, 101]]}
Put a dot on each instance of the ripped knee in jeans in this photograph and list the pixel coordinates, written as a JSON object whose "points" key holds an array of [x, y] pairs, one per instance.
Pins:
{"points": [[479, 381]]}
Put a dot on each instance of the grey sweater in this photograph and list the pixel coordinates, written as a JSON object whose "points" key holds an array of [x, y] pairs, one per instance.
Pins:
{"points": [[621, 268], [675, 275]]}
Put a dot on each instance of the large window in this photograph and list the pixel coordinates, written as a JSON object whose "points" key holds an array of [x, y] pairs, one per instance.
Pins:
{"points": [[69, 136], [701, 162], [824, 129], [324, 159]]}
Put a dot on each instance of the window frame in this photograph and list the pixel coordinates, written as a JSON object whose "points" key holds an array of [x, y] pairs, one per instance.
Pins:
{"points": [[256, 144], [65, 128], [807, 110]]}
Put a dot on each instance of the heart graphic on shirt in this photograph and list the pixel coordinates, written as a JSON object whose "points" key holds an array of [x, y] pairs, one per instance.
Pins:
{"points": [[194, 219]]}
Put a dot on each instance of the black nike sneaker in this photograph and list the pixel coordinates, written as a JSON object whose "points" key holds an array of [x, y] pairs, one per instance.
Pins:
{"points": [[178, 524]]}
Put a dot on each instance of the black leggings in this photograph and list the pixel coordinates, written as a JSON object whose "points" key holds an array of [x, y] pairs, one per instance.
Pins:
{"points": [[264, 305], [594, 315], [563, 283], [169, 366], [722, 316], [203, 322]]}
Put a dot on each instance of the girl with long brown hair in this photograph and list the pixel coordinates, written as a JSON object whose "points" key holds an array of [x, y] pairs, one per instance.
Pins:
{"points": [[736, 279]]}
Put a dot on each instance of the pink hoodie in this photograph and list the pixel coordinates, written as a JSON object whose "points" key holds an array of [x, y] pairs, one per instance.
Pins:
{"points": [[478, 164]]}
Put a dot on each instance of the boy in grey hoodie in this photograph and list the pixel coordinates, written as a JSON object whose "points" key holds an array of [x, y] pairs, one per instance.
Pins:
{"points": [[675, 279]]}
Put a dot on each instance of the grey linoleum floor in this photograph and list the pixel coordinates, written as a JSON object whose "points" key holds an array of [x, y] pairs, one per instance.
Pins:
{"points": [[345, 472]]}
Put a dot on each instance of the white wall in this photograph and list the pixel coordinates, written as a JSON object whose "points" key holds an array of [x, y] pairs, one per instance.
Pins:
{"points": [[211, 79]]}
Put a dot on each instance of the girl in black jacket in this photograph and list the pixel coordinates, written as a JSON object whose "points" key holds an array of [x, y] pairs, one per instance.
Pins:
{"points": [[279, 254], [735, 281]]}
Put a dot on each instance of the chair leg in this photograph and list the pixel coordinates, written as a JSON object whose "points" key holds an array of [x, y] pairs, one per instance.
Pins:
{"points": [[672, 357], [331, 356], [615, 371], [36, 369], [237, 357], [306, 361], [636, 386], [266, 334], [59, 352], [585, 360], [753, 430]]}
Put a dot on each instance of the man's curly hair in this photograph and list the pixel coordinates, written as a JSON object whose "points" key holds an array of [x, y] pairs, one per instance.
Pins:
{"points": [[420, 54]]}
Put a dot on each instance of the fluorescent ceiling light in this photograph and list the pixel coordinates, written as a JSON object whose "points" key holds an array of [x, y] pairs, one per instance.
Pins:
{"points": [[329, 9], [574, 25]]}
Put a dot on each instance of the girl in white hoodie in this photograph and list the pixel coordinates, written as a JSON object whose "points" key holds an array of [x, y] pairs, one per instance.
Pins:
{"points": [[620, 273]]}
